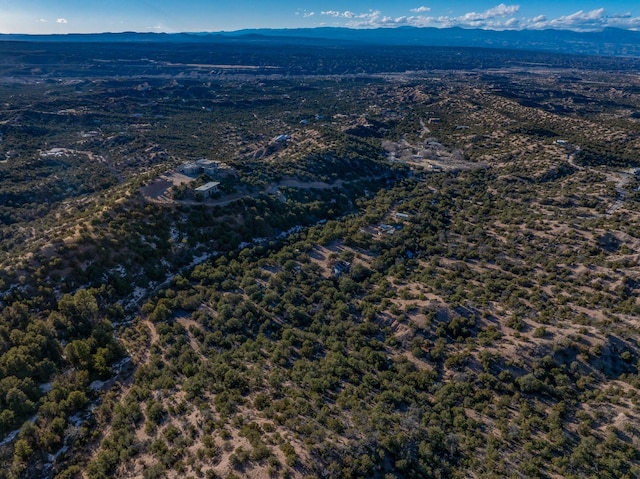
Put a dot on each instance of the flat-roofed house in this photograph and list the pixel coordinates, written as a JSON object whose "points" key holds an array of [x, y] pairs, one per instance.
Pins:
{"points": [[207, 189], [209, 167], [190, 168]]}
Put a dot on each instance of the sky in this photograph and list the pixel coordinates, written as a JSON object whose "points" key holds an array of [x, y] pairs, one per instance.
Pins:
{"points": [[96, 16]]}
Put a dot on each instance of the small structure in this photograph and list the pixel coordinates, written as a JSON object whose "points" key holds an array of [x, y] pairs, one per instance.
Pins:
{"points": [[388, 229], [207, 189], [212, 168], [190, 168], [204, 162], [340, 268], [209, 167]]}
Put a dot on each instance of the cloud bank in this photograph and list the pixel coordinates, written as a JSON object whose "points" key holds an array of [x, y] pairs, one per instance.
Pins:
{"points": [[500, 17]]}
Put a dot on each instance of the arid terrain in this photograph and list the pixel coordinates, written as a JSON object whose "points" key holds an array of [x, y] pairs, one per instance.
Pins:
{"points": [[398, 272]]}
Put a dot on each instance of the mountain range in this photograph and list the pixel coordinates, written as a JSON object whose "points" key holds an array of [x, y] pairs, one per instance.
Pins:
{"points": [[607, 42]]}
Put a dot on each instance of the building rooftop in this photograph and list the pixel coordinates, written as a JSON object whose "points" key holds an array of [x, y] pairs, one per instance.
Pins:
{"points": [[208, 186]]}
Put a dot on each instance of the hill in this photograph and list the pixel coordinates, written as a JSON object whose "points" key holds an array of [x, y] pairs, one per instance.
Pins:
{"points": [[398, 271]]}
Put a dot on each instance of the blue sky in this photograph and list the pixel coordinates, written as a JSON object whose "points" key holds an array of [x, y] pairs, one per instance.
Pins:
{"points": [[86, 16]]}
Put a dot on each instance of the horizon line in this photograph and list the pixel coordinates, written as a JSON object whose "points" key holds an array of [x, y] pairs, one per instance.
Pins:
{"points": [[354, 29]]}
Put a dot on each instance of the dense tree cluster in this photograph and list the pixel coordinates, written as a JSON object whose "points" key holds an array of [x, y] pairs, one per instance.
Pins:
{"points": [[366, 377]]}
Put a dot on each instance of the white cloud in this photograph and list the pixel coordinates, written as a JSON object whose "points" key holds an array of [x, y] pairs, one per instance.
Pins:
{"points": [[501, 10], [593, 20], [309, 14], [370, 19], [512, 23], [624, 20], [413, 21], [375, 19], [345, 14], [43, 20], [580, 20], [61, 20], [500, 17], [621, 15], [581, 16]]}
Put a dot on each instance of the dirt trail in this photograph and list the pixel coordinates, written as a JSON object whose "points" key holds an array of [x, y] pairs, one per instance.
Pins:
{"points": [[154, 337], [621, 192], [187, 322]]}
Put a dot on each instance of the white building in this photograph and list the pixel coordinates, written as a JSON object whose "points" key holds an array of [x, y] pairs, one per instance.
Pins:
{"points": [[209, 167], [190, 168], [208, 189]]}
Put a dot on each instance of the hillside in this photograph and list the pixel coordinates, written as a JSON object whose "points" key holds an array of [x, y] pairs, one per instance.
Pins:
{"points": [[425, 273]]}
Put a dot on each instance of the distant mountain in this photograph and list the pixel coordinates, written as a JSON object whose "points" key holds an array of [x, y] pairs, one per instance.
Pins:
{"points": [[608, 42]]}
